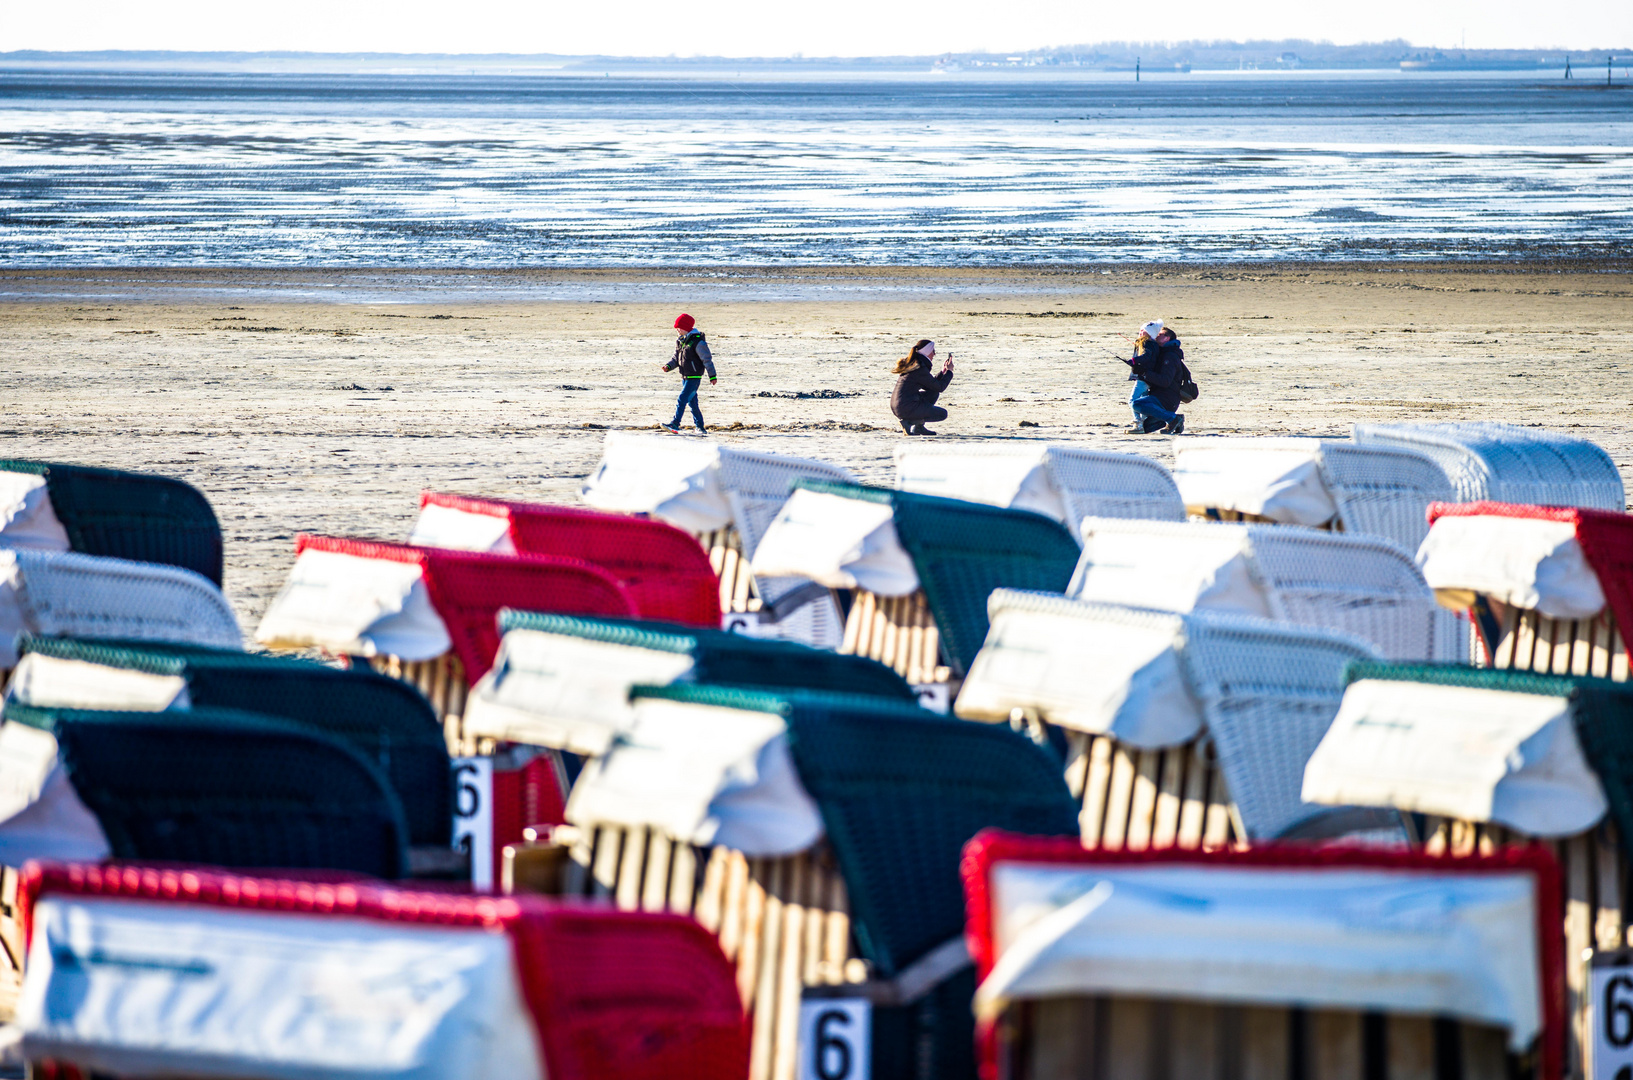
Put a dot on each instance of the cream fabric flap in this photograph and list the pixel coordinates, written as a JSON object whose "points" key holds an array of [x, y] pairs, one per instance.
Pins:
{"points": [[1415, 942], [570, 693], [1469, 753], [41, 816], [838, 542], [1171, 567], [447, 527], [1011, 478], [702, 774], [27, 519], [1279, 479], [676, 480], [355, 605], [1121, 678], [57, 682], [1527, 562], [148, 989]]}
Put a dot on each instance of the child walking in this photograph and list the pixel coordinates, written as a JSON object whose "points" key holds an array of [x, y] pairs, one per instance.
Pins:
{"points": [[693, 358]]}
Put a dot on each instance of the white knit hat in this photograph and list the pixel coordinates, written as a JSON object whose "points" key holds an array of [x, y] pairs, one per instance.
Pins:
{"points": [[1152, 328], [926, 349]]}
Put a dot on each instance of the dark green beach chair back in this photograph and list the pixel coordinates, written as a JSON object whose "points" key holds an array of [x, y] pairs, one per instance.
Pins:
{"points": [[962, 551], [227, 788], [387, 721], [728, 659], [128, 515]]}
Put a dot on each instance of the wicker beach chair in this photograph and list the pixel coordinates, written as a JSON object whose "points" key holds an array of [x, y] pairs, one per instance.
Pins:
{"points": [[1483, 761], [1065, 482], [726, 497], [428, 616], [665, 571], [1374, 490], [916, 569], [563, 681], [66, 593], [1357, 585], [1289, 962], [1185, 731], [226, 788], [1502, 463], [285, 979], [817, 836], [1547, 588], [122, 515]]}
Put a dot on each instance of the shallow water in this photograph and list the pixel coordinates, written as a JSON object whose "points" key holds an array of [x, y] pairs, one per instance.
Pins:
{"points": [[437, 170]]}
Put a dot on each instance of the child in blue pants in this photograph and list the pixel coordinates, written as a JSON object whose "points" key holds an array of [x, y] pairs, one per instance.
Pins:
{"points": [[693, 359]]}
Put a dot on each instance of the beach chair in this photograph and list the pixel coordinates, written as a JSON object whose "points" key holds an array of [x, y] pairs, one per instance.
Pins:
{"points": [[817, 835], [123, 515], [563, 681], [665, 571], [726, 497], [428, 616], [1548, 589], [66, 593], [1290, 962], [1187, 731], [1358, 585], [1502, 463], [287, 979], [916, 570], [219, 787], [1482, 761], [1059, 480], [1343, 486]]}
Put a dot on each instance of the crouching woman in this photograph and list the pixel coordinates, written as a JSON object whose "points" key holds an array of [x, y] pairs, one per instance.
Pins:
{"points": [[914, 399]]}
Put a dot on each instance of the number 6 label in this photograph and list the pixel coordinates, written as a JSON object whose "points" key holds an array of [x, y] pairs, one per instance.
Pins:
{"points": [[835, 1039], [1611, 1011]]}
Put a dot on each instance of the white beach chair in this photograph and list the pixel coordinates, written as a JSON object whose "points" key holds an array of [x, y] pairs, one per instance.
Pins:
{"points": [[1374, 490], [1503, 463], [1065, 482], [1290, 964], [727, 498], [1358, 585], [1183, 730]]}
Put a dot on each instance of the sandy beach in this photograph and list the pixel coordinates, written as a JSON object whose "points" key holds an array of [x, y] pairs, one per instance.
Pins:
{"points": [[298, 415]]}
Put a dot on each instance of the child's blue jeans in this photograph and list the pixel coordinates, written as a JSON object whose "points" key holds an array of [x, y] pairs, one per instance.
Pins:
{"points": [[688, 396]]}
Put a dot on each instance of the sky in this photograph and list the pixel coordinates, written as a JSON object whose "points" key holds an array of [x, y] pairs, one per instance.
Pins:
{"points": [[758, 28]]}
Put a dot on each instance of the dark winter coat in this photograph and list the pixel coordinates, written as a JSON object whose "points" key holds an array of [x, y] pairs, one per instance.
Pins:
{"points": [[917, 390], [692, 357], [1163, 369]]}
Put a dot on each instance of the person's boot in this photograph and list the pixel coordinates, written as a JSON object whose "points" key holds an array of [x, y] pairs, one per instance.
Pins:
{"points": [[1138, 427], [703, 431], [920, 429], [1177, 427], [907, 427], [673, 429]]}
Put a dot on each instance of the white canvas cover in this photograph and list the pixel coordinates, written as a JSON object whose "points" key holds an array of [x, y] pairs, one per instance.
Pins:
{"points": [[566, 692], [66, 594], [672, 479], [704, 774], [27, 519], [1279, 479], [449, 527], [839, 542], [41, 816], [357, 606], [1470, 753], [1172, 568], [149, 989], [1401, 941], [58, 682], [1084, 667], [1524, 562]]}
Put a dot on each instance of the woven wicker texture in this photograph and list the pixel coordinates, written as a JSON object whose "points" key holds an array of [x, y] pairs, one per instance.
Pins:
{"points": [[1100, 483], [665, 572], [1510, 464], [1383, 490], [962, 551], [729, 659], [385, 720], [469, 588], [69, 594], [126, 515], [616, 995], [227, 788]]}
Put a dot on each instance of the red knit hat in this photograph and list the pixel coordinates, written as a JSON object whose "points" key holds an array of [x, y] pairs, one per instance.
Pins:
{"points": [[685, 322]]}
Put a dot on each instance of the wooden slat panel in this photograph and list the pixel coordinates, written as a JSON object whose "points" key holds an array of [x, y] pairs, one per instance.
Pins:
{"points": [[683, 879], [1170, 790], [1582, 645], [605, 870], [1128, 1042], [1143, 804], [1216, 831], [1485, 1053], [1600, 665], [1335, 1045], [627, 892], [711, 898], [1618, 650], [1610, 867], [1411, 1044], [767, 953], [1503, 656], [1575, 856], [1097, 787], [1193, 812], [816, 915], [1264, 1044], [1525, 641], [1068, 1039], [790, 968], [1193, 1042], [655, 877], [1077, 763], [1121, 793], [836, 941], [734, 905]]}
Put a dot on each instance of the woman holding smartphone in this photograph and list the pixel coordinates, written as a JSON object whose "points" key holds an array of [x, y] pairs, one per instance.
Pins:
{"points": [[914, 399]]}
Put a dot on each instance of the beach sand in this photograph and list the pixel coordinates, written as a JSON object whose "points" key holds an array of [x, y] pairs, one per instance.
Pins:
{"points": [[331, 417]]}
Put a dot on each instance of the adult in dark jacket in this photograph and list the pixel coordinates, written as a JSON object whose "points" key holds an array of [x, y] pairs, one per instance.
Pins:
{"points": [[1160, 367], [914, 399]]}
